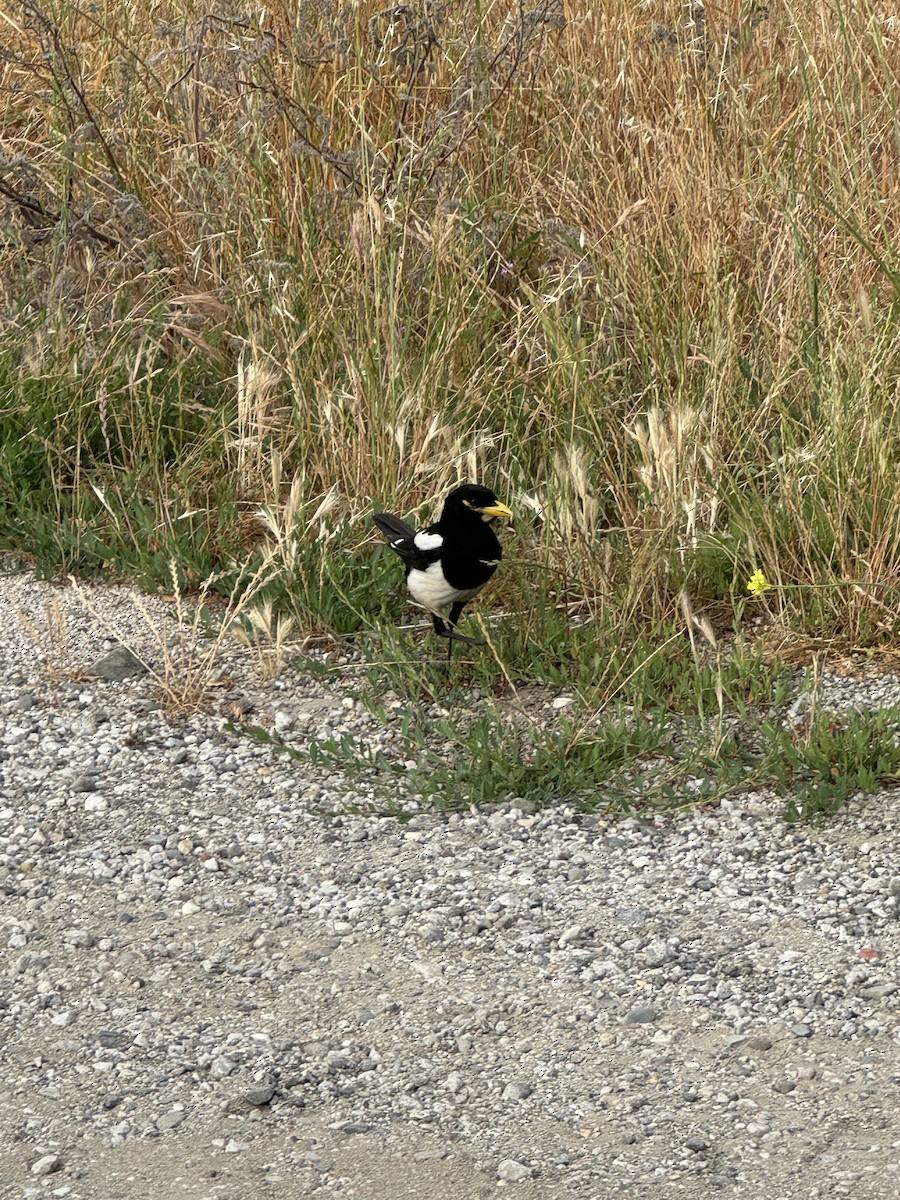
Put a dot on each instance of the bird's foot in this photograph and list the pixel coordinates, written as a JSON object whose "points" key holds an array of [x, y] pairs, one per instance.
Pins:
{"points": [[460, 637]]}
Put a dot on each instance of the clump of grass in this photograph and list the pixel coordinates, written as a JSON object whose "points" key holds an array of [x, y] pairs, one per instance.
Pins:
{"points": [[52, 642], [488, 762], [188, 666], [266, 632], [835, 758]]}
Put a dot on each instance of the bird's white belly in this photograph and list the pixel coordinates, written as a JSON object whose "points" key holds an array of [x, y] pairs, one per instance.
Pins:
{"points": [[433, 591]]}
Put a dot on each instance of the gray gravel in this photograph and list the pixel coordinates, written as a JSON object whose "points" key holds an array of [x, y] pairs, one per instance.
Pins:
{"points": [[217, 982]]}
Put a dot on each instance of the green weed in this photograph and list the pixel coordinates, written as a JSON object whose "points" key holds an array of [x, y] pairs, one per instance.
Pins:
{"points": [[836, 757]]}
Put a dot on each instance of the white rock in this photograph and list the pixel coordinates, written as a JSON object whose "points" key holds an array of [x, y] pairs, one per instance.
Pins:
{"points": [[572, 934], [511, 1171], [428, 970], [221, 1068], [46, 1165]]}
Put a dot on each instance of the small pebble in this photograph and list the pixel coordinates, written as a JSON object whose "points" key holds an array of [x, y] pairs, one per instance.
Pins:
{"points": [[640, 1016], [170, 1120]]}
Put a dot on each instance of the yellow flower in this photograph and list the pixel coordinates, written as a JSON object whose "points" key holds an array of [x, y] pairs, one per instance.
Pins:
{"points": [[757, 583]]}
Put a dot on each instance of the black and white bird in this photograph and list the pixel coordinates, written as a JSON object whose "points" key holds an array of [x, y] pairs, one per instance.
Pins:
{"points": [[449, 562]]}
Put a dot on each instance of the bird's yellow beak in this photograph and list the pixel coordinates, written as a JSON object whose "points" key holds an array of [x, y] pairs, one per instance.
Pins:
{"points": [[497, 510]]}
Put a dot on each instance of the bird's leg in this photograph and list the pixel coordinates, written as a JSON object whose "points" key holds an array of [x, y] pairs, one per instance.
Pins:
{"points": [[453, 617], [440, 628], [455, 613]]}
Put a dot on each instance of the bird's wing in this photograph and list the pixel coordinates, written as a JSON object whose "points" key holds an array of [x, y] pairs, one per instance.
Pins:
{"points": [[418, 550]]}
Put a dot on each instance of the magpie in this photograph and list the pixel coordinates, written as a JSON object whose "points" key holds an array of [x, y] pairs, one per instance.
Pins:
{"points": [[449, 562]]}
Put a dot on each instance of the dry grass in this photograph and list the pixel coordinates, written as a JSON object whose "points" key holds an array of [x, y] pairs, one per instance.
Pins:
{"points": [[52, 644], [631, 263]]}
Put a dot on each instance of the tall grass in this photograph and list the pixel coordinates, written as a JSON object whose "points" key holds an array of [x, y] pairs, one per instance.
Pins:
{"points": [[632, 264]]}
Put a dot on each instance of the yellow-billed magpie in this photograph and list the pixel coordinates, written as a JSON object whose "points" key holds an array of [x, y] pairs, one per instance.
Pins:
{"points": [[449, 562]]}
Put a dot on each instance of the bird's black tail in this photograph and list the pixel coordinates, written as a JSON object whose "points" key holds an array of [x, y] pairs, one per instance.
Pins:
{"points": [[394, 528]]}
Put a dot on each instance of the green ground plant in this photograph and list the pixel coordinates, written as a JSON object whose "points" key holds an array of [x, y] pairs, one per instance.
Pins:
{"points": [[620, 760], [835, 758]]}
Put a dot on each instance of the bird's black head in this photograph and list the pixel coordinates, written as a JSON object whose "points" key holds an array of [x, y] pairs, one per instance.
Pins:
{"points": [[470, 501]]}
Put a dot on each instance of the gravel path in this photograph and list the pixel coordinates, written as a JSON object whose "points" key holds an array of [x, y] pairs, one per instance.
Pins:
{"points": [[211, 990]]}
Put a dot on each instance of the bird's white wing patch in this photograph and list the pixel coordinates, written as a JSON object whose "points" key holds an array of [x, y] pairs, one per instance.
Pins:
{"points": [[428, 541]]}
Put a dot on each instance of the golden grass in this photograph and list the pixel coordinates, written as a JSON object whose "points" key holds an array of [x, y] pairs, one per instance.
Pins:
{"points": [[633, 261]]}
